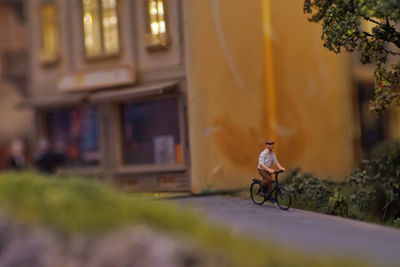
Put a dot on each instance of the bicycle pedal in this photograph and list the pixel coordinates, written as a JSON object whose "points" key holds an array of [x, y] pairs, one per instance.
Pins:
{"points": [[269, 198]]}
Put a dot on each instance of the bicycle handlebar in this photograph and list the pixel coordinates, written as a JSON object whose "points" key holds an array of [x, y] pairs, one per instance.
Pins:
{"points": [[277, 173]]}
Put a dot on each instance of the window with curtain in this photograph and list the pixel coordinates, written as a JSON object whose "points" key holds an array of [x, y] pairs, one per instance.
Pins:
{"points": [[100, 27], [50, 36], [157, 28]]}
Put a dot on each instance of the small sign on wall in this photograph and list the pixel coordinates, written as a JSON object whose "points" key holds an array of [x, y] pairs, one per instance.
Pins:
{"points": [[96, 79], [164, 149]]}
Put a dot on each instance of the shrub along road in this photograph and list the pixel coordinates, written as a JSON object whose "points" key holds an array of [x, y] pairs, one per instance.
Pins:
{"points": [[310, 232]]}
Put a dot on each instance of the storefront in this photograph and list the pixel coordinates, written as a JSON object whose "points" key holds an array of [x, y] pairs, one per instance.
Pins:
{"points": [[135, 136], [108, 90]]}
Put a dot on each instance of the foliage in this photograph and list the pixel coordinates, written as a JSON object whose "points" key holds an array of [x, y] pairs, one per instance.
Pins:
{"points": [[308, 191], [337, 204], [371, 192], [396, 222], [379, 179], [79, 206], [343, 28]]}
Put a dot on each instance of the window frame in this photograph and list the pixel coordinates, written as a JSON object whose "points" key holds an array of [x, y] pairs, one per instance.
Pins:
{"points": [[55, 60], [102, 55], [156, 47], [123, 168], [43, 132]]}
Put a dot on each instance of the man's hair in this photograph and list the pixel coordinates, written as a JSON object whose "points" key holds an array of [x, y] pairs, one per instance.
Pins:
{"points": [[270, 142]]}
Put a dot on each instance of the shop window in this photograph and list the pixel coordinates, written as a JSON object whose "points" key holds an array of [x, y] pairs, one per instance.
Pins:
{"points": [[157, 28], [150, 132], [49, 33], [74, 133], [100, 27]]}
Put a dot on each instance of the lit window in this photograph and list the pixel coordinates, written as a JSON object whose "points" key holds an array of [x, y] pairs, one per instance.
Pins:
{"points": [[74, 134], [49, 39], [110, 26], [150, 132], [157, 36], [100, 26]]}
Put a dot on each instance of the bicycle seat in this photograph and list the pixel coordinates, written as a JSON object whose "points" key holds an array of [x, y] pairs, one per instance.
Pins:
{"points": [[257, 181]]}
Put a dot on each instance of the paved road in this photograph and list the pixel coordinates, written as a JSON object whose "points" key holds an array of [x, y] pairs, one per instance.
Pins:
{"points": [[309, 232]]}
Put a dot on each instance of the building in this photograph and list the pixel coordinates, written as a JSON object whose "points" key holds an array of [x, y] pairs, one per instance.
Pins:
{"points": [[371, 129], [109, 89], [176, 95], [14, 123]]}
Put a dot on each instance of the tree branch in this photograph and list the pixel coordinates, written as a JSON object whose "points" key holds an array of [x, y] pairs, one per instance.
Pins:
{"points": [[367, 34], [369, 19], [392, 52]]}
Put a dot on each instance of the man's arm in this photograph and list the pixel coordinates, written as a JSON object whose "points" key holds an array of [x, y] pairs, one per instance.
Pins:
{"points": [[277, 164], [267, 169], [280, 167]]}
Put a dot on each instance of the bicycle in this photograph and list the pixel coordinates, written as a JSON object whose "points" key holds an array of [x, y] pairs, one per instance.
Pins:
{"points": [[282, 195]]}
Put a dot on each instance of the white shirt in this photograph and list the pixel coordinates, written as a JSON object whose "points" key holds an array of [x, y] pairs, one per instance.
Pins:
{"points": [[267, 158]]}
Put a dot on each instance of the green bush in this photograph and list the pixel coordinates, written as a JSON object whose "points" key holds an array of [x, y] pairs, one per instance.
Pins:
{"points": [[308, 191], [371, 192], [396, 222], [338, 204], [377, 183]]}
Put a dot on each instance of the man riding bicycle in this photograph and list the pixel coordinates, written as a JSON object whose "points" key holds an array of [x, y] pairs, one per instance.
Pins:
{"points": [[266, 159]]}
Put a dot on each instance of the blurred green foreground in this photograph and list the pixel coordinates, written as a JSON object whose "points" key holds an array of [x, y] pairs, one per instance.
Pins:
{"points": [[73, 206]]}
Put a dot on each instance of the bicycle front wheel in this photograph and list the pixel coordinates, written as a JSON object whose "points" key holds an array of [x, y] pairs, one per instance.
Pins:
{"points": [[257, 195], [283, 198]]}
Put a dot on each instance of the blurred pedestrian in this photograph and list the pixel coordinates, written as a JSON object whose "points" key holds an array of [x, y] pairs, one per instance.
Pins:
{"points": [[47, 161], [16, 160]]}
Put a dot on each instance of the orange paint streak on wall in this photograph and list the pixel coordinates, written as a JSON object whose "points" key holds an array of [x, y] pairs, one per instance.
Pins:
{"points": [[269, 68]]}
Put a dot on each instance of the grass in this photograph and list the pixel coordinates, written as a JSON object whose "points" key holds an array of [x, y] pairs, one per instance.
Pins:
{"points": [[79, 206]]}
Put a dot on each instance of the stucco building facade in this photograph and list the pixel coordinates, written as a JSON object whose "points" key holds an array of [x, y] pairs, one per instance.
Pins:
{"points": [[180, 95]]}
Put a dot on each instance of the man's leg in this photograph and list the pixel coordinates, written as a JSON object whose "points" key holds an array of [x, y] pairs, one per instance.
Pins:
{"points": [[267, 179]]}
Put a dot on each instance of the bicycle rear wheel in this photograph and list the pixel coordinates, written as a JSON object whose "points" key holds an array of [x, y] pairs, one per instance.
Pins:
{"points": [[283, 198], [257, 195]]}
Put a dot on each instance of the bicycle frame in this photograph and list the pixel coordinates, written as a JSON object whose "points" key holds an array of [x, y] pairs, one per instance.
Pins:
{"points": [[277, 185], [277, 188]]}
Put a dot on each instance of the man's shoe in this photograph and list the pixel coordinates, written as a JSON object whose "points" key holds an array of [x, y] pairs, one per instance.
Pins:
{"points": [[261, 191], [268, 196]]}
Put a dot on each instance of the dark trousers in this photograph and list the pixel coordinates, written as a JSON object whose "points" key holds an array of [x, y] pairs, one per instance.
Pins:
{"points": [[267, 179]]}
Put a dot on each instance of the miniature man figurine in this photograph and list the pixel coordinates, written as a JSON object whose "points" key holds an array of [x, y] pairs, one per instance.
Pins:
{"points": [[266, 159]]}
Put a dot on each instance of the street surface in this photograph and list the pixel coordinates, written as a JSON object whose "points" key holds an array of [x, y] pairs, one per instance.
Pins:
{"points": [[309, 232]]}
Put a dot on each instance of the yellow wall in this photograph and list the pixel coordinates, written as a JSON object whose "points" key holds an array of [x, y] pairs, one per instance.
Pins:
{"points": [[231, 92], [315, 122]]}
